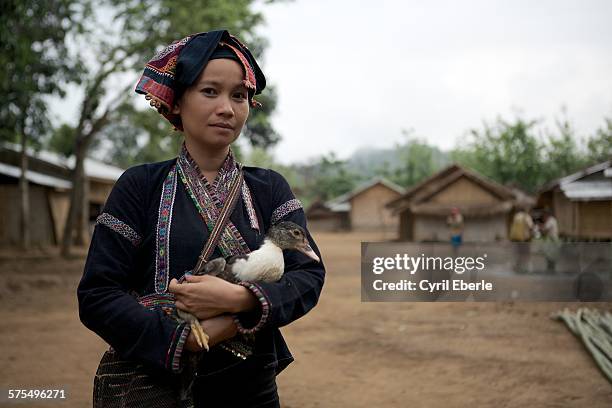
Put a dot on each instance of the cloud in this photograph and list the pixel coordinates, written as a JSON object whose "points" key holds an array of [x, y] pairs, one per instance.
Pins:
{"points": [[351, 76]]}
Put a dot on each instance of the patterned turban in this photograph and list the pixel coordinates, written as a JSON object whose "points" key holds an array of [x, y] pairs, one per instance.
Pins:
{"points": [[176, 67]]}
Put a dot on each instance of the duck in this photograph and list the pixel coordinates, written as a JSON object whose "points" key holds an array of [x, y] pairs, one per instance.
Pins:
{"points": [[265, 264]]}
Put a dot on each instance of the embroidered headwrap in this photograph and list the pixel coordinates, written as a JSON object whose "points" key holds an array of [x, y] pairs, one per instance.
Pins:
{"points": [[178, 66]]}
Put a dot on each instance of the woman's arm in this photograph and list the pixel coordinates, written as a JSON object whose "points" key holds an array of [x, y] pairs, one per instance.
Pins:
{"points": [[105, 305], [298, 291], [217, 328]]}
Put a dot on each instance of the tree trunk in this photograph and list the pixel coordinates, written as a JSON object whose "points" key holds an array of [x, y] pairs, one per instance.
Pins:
{"points": [[76, 195], [78, 215], [82, 219], [25, 195]]}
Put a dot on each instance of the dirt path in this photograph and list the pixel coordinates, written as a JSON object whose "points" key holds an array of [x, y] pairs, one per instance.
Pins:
{"points": [[348, 353]]}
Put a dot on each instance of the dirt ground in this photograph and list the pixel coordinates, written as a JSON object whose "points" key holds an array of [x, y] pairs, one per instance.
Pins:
{"points": [[348, 353]]}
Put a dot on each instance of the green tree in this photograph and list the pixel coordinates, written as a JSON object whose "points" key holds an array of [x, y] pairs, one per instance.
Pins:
{"points": [[561, 154], [139, 136], [35, 63], [328, 178], [417, 161], [600, 144], [511, 153], [61, 140], [258, 129], [507, 152]]}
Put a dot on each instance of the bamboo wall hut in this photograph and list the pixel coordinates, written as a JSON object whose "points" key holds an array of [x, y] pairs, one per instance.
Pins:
{"points": [[363, 209], [368, 211], [49, 184], [582, 203], [486, 207]]}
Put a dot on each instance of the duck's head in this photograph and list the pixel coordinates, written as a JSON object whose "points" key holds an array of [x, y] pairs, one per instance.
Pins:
{"points": [[289, 235]]}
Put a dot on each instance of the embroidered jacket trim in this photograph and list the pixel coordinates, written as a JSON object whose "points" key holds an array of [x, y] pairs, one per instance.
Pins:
{"points": [[284, 209], [120, 227]]}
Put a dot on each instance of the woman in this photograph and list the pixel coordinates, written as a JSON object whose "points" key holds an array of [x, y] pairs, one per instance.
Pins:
{"points": [[158, 218]]}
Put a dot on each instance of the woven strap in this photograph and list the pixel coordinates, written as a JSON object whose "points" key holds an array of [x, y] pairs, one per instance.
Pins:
{"points": [[226, 211]]}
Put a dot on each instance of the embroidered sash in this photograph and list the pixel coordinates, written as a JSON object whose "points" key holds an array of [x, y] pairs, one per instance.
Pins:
{"points": [[209, 200]]}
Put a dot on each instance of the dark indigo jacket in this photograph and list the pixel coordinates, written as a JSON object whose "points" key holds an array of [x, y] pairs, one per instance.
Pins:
{"points": [[121, 263]]}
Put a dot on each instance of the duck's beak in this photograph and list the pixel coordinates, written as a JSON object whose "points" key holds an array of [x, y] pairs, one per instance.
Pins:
{"points": [[307, 250]]}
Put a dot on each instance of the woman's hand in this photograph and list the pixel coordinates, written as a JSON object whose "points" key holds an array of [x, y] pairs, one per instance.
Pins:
{"points": [[218, 328], [208, 296]]}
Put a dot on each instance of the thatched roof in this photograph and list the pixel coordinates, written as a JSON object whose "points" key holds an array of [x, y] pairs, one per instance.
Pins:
{"points": [[416, 198], [347, 197], [372, 183]]}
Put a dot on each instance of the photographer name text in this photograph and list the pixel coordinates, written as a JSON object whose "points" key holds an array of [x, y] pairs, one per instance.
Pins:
{"points": [[426, 285]]}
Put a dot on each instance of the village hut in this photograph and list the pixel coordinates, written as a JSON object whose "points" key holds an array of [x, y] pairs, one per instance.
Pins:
{"points": [[49, 185], [486, 206], [582, 203], [328, 216], [362, 209]]}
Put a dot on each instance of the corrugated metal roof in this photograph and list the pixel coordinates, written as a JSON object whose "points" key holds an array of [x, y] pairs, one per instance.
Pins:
{"points": [[99, 170], [588, 190], [603, 167], [93, 168], [34, 177], [577, 188], [339, 207]]}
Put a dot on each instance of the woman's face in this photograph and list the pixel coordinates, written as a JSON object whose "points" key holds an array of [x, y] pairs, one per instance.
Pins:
{"points": [[214, 109]]}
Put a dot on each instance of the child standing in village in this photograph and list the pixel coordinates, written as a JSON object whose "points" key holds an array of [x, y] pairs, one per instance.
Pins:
{"points": [[456, 226]]}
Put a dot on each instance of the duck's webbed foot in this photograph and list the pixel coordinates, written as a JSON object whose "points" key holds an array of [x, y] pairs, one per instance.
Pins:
{"points": [[196, 328], [200, 334]]}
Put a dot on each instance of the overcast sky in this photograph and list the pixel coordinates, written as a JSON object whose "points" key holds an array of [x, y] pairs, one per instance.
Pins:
{"points": [[353, 74]]}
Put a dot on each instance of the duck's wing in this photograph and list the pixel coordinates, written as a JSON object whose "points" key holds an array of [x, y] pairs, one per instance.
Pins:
{"points": [[213, 267], [228, 273], [220, 268]]}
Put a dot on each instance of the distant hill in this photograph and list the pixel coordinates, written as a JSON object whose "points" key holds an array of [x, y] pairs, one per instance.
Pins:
{"points": [[369, 162]]}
